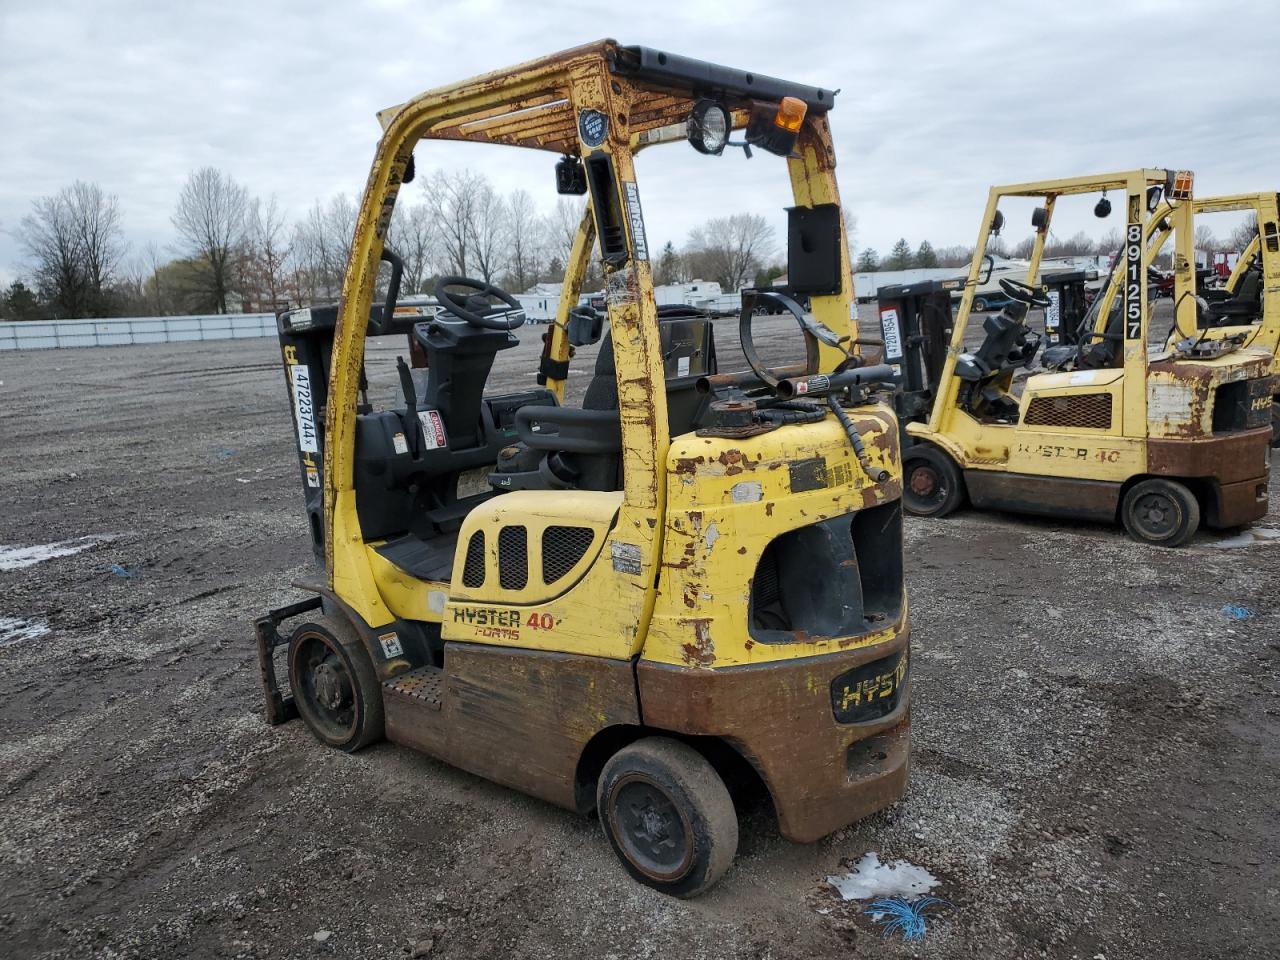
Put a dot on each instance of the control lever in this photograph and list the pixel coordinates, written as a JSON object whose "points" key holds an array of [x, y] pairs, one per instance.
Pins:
{"points": [[411, 405]]}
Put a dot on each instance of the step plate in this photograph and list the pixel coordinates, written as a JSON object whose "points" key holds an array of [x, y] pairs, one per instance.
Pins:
{"points": [[424, 683]]}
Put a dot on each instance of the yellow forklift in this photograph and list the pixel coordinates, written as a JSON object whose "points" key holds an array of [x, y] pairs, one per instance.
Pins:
{"points": [[693, 582], [1156, 441], [1246, 310]]}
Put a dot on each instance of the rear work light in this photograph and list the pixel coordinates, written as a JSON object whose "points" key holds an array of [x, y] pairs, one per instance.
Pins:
{"points": [[776, 127], [1180, 185]]}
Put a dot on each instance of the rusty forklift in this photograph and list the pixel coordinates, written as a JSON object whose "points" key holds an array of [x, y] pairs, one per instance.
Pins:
{"points": [[1111, 431], [692, 581]]}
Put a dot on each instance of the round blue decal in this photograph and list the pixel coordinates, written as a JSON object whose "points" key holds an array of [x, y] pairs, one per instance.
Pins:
{"points": [[593, 125]]}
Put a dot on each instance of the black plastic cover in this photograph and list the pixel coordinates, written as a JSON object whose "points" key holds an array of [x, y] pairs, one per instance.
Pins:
{"points": [[687, 73], [813, 249]]}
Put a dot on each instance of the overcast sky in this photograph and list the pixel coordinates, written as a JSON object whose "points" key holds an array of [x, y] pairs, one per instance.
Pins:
{"points": [[938, 100]]}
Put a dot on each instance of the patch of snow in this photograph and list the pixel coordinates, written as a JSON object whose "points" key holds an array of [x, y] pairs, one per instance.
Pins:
{"points": [[1247, 538], [14, 630], [15, 557], [870, 878]]}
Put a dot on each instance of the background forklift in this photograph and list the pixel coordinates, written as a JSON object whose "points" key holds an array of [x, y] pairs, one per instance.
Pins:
{"points": [[1158, 442], [1246, 309], [628, 606]]}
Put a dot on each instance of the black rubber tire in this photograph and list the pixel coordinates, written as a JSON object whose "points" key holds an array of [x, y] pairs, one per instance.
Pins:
{"points": [[1161, 512], [979, 305], [326, 656], [932, 485], [1275, 422], [680, 796]]}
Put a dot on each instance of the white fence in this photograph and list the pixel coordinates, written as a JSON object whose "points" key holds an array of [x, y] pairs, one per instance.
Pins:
{"points": [[121, 331]]}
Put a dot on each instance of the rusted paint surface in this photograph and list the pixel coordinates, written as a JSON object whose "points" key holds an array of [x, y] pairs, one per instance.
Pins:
{"points": [[1043, 495], [780, 716], [1236, 504], [518, 717], [700, 651], [1229, 458]]}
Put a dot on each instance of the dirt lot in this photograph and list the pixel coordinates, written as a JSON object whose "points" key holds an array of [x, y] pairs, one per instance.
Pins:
{"points": [[1096, 743]]}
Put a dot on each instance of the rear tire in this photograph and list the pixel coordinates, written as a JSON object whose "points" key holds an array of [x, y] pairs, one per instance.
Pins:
{"points": [[1162, 512], [668, 816], [334, 684], [979, 305], [931, 482]]}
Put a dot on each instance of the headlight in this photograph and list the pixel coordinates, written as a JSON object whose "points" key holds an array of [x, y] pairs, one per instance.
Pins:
{"points": [[709, 127]]}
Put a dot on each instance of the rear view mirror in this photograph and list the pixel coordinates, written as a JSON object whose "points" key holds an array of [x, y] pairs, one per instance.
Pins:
{"points": [[570, 177], [997, 223], [988, 264], [1040, 219]]}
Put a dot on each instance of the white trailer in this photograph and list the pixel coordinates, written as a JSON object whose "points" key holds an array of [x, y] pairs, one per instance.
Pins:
{"points": [[687, 294], [538, 307]]}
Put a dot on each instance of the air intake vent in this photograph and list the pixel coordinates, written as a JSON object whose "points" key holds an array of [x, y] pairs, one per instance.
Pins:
{"points": [[473, 568], [1086, 411], [513, 558], [562, 548]]}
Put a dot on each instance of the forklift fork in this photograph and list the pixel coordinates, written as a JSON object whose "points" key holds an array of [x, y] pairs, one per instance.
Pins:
{"points": [[278, 708]]}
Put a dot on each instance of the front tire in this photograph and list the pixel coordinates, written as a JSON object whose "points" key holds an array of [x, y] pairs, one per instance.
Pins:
{"points": [[334, 684], [668, 816], [931, 483], [979, 305], [1162, 512]]}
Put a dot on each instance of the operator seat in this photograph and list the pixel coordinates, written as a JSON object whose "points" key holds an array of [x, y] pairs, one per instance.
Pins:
{"points": [[566, 448], [1240, 306]]}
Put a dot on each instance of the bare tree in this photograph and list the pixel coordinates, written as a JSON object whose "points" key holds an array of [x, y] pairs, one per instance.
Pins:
{"points": [[732, 248], [488, 232], [525, 239], [1077, 245], [1242, 235], [1109, 243], [452, 197], [957, 255], [340, 224], [210, 218], [268, 249], [415, 236], [75, 243], [560, 227], [1205, 240]]}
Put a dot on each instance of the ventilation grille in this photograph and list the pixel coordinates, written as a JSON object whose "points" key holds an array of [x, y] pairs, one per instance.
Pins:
{"points": [[473, 568], [513, 558], [1089, 411], [562, 548]]}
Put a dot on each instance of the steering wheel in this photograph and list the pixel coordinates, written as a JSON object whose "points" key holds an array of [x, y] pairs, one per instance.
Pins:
{"points": [[1024, 293], [814, 332], [474, 309]]}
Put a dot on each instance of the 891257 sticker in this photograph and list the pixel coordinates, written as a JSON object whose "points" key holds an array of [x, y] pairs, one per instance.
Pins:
{"points": [[1133, 304]]}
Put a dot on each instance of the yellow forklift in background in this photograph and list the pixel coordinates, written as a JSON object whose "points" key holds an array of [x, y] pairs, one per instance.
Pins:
{"points": [[1158, 442], [631, 607], [1246, 310]]}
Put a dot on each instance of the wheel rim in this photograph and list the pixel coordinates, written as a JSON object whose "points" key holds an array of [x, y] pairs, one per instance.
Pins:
{"points": [[325, 686], [926, 485], [650, 830], [1156, 515]]}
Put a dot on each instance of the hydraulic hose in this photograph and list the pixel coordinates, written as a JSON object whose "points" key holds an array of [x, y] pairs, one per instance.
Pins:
{"points": [[859, 449]]}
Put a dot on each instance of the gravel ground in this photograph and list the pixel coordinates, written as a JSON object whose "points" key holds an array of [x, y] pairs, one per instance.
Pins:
{"points": [[1095, 740]]}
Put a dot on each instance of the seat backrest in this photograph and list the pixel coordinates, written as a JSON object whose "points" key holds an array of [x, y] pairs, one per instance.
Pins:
{"points": [[688, 349]]}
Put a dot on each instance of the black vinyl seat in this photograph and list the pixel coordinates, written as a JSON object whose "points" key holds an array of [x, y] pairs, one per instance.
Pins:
{"points": [[579, 449]]}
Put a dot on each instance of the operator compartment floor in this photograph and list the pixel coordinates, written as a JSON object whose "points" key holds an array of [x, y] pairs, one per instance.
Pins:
{"points": [[425, 559], [425, 684]]}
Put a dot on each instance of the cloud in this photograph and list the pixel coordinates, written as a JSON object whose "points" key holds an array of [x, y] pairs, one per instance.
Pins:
{"points": [[937, 102]]}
